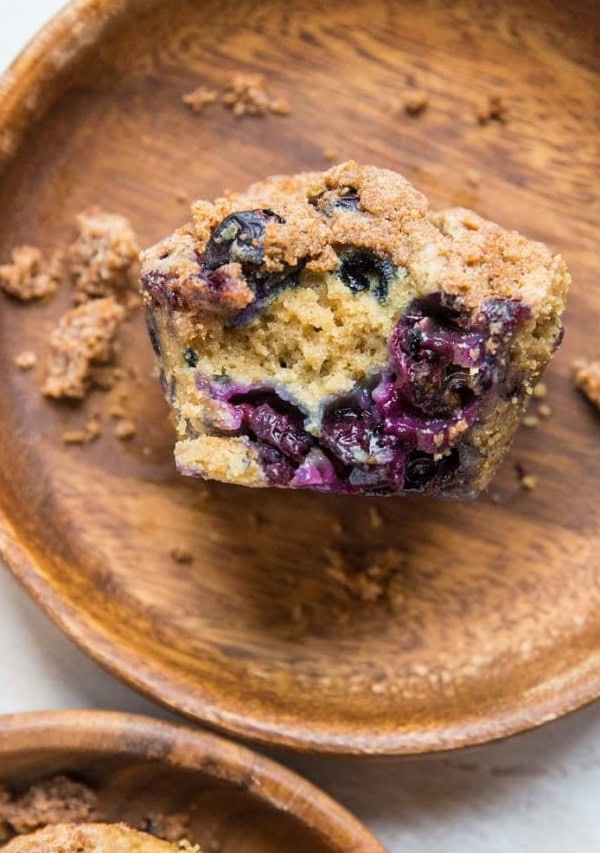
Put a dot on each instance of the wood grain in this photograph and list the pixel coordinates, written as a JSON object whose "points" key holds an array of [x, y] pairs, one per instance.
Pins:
{"points": [[237, 800], [495, 621]]}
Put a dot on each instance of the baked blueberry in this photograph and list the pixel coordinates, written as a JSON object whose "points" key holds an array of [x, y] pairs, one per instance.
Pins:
{"points": [[238, 239], [366, 270]]}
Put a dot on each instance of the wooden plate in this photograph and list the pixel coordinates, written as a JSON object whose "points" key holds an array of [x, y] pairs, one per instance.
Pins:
{"points": [[490, 622], [138, 766]]}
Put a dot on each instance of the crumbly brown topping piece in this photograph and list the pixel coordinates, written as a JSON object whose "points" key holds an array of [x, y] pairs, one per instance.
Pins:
{"points": [[26, 360], [247, 95], [83, 338], [83, 436], [200, 98], [369, 581], [53, 801], [28, 277], [494, 109], [476, 259], [182, 555], [100, 260], [527, 481], [416, 103], [331, 154], [544, 411], [125, 429], [586, 375]]}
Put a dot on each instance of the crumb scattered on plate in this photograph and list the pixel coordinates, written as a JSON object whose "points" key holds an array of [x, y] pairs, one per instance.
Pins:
{"points": [[416, 103], [544, 411], [530, 421], [125, 429], [331, 155], [28, 276], [368, 581], [101, 259], [181, 555], [527, 481], [84, 336], [472, 177], [586, 375], [200, 98], [100, 268], [494, 109], [83, 436], [26, 360], [248, 95], [540, 391], [375, 518]]}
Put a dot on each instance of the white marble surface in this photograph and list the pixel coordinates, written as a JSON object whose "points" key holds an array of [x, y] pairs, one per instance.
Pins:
{"points": [[537, 793]]}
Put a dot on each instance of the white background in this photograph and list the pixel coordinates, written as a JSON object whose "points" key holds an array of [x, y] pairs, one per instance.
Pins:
{"points": [[537, 792]]}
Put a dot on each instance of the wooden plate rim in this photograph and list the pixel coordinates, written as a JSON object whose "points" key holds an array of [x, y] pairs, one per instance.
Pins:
{"points": [[138, 737], [25, 89]]}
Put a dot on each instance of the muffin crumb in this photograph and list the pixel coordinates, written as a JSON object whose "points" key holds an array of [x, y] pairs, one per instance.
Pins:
{"points": [[495, 109], [255, 520], [586, 375], [247, 95], [85, 336], [181, 555], [331, 155], [375, 518], [540, 391], [368, 582], [83, 436], [544, 411], [416, 103], [125, 429], [472, 178], [530, 421], [25, 278], [200, 98], [117, 412], [26, 360], [528, 482], [100, 260]]}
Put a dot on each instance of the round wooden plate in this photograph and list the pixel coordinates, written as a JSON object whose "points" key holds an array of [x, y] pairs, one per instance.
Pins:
{"points": [[237, 800], [490, 622]]}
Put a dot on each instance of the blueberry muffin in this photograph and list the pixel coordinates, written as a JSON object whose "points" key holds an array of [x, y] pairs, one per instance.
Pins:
{"points": [[328, 331], [91, 838]]}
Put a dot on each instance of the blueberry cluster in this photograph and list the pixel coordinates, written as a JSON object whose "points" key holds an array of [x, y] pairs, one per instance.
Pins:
{"points": [[402, 432]]}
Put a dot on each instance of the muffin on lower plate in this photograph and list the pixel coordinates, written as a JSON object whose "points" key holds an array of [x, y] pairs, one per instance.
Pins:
{"points": [[328, 331], [93, 838]]}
